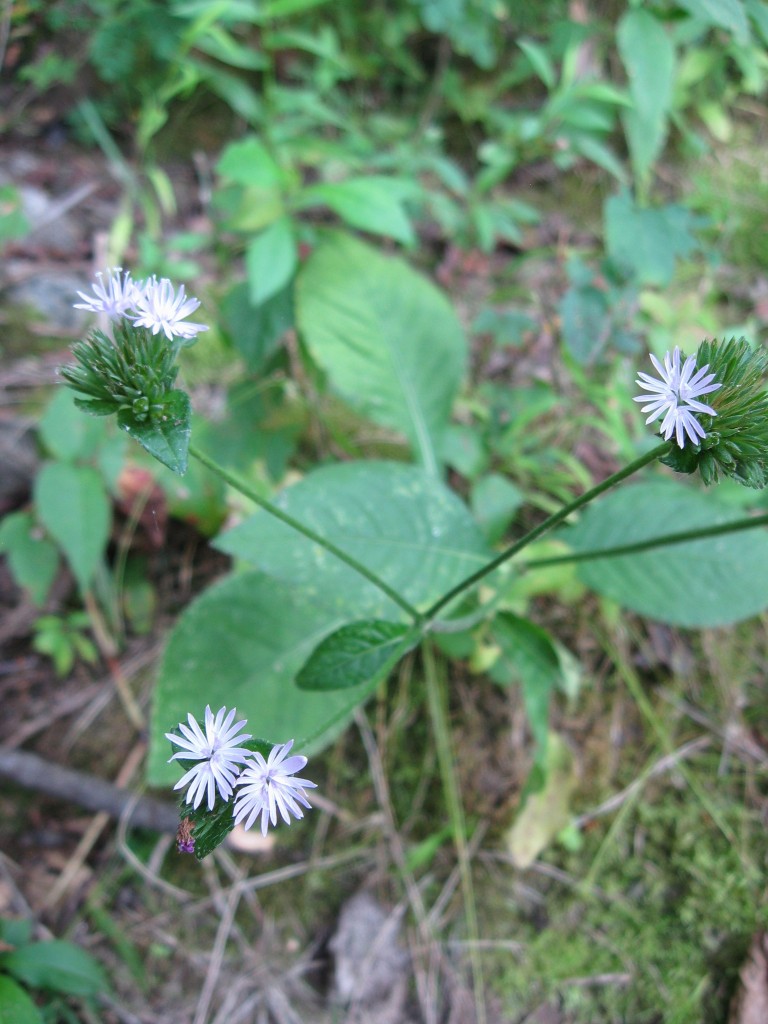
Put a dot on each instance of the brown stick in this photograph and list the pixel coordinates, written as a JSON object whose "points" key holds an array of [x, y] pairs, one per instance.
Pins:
{"points": [[33, 772]]}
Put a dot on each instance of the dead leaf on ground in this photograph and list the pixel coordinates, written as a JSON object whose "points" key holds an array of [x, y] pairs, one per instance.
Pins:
{"points": [[751, 1003]]}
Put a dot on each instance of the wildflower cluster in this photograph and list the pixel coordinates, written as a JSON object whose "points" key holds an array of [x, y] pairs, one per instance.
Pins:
{"points": [[224, 762], [132, 373], [152, 304]]}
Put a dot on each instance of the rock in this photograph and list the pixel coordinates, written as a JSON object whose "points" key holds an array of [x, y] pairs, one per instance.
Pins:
{"points": [[371, 967]]}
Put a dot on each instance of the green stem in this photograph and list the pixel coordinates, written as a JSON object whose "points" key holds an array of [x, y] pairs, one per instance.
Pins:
{"points": [[306, 531], [438, 713], [548, 523], [665, 540]]}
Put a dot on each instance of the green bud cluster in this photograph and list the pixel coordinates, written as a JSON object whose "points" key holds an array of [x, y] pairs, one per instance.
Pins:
{"points": [[131, 375], [736, 444]]}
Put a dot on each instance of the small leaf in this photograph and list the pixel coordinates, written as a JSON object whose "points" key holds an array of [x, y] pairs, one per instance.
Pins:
{"points": [[66, 434], [249, 162], [166, 438], [271, 260], [372, 204], [33, 560], [15, 1005], [546, 812], [56, 965], [358, 653], [73, 506]]}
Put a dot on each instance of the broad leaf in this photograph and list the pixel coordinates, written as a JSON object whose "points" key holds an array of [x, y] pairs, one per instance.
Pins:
{"points": [[73, 506], [256, 331], [56, 965], [241, 644], [648, 241], [532, 658], [389, 341], [270, 260], [65, 432], [357, 653], [709, 582], [727, 14], [249, 162], [372, 204], [648, 54], [15, 1005], [33, 560], [406, 527], [166, 438]]}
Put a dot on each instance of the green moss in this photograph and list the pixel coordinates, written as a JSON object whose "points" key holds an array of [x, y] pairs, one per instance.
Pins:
{"points": [[663, 934]]}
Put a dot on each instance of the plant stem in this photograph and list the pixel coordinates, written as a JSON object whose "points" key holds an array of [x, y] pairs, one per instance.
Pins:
{"points": [[655, 542], [438, 713], [548, 523], [306, 531]]}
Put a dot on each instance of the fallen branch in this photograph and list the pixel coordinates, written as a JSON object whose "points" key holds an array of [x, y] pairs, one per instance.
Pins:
{"points": [[33, 772]]}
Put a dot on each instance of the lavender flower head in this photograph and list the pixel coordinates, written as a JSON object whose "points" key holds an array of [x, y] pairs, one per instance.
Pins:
{"points": [[113, 296], [159, 308], [675, 396], [216, 752], [269, 786]]}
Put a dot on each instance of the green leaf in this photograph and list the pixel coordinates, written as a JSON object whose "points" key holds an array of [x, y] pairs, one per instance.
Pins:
{"points": [[249, 162], [73, 506], [727, 14], [270, 260], [357, 653], [15, 1005], [408, 528], [540, 61], [65, 432], [56, 965], [167, 438], [648, 241], [33, 560], [494, 501], [648, 54], [372, 204], [268, 630], [256, 331], [390, 342], [709, 582], [530, 657]]}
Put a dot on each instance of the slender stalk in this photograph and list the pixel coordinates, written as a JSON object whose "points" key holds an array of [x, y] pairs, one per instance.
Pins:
{"points": [[548, 523], [438, 713], [306, 531], [665, 540]]}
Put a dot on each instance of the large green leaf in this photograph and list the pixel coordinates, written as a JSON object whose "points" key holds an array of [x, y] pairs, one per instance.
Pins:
{"points": [[405, 526], [389, 340], [73, 506], [241, 644], [648, 54], [710, 582]]}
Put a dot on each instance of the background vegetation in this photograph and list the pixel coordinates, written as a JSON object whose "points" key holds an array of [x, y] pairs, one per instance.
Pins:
{"points": [[515, 203]]}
